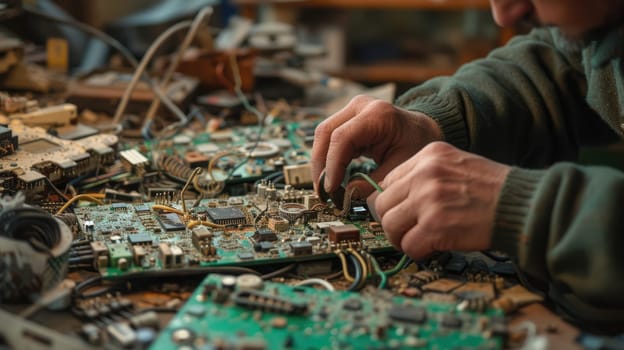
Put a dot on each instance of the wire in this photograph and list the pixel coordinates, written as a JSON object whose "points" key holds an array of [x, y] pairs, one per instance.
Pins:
{"points": [[114, 43], [194, 223], [362, 262], [384, 279], [279, 272], [368, 179], [167, 209], [399, 266], [32, 225], [359, 276], [74, 199], [121, 107], [194, 174], [190, 35], [313, 281], [345, 268]]}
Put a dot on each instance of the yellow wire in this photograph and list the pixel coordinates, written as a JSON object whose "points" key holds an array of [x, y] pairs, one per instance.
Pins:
{"points": [[360, 258], [345, 268], [74, 199], [205, 223], [167, 209]]}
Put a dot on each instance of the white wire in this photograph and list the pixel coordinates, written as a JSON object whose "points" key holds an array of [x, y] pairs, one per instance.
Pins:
{"points": [[190, 35], [317, 281], [141, 68]]}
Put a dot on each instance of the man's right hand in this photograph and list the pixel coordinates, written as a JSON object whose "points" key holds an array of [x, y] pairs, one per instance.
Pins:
{"points": [[373, 128]]}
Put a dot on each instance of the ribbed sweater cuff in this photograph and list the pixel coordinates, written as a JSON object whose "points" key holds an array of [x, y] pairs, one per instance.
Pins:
{"points": [[448, 116], [513, 209]]}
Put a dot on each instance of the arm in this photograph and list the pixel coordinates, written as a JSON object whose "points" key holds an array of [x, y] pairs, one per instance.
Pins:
{"points": [[566, 226], [524, 104]]}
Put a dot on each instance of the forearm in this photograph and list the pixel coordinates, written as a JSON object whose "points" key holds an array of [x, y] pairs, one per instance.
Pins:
{"points": [[565, 225], [523, 104]]}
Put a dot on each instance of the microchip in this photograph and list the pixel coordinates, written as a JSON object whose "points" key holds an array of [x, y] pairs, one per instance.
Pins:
{"points": [[140, 238], [246, 255], [171, 222], [264, 246], [226, 216], [119, 206], [352, 304], [141, 208], [451, 321], [265, 235], [346, 233], [301, 248], [408, 314]]}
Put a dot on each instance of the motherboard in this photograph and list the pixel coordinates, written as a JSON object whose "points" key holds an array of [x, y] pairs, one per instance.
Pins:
{"points": [[281, 226], [243, 312]]}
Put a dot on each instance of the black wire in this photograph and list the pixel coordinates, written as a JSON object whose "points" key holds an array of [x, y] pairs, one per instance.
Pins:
{"points": [[159, 309], [88, 283], [232, 270], [358, 273], [32, 225], [279, 272]]}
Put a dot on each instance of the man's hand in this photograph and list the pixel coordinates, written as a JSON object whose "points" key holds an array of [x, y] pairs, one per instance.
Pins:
{"points": [[373, 128], [440, 199]]}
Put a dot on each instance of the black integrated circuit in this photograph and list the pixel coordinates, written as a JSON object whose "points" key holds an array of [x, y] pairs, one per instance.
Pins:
{"points": [[226, 216]]}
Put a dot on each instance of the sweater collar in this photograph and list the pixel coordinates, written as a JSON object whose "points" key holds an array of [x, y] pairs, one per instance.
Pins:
{"points": [[609, 47]]}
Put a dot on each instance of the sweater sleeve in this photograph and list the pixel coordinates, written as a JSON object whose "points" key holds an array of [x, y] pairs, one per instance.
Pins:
{"points": [[566, 226], [523, 104]]}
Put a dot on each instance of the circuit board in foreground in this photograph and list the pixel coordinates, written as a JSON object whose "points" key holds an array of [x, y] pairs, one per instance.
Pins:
{"points": [[243, 231], [226, 312]]}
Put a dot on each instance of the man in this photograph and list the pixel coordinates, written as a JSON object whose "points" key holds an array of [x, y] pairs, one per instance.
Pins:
{"points": [[525, 109]]}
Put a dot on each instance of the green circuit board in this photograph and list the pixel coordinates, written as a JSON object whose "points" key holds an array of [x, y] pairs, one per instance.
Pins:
{"points": [[243, 315], [140, 237]]}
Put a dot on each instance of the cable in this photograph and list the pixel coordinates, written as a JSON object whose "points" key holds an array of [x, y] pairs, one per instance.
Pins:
{"points": [[77, 198], [32, 225], [345, 268], [121, 107], [114, 43], [312, 281], [279, 272], [368, 179], [384, 279], [362, 262], [399, 266], [167, 209], [194, 223], [359, 276], [166, 77]]}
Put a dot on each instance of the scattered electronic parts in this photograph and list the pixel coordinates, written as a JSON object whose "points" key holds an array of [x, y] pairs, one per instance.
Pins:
{"points": [[41, 157], [238, 231], [253, 315], [8, 142]]}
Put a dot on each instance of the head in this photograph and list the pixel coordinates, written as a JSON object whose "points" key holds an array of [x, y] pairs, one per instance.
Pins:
{"points": [[576, 19]]}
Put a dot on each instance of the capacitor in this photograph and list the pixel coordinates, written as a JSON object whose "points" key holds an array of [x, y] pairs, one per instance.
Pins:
{"points": [[228, 282], [248, 281]]}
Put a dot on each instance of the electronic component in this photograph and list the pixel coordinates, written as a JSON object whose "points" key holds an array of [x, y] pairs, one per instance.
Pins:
{"points": [[299, 175], [41, 155], [302, 317], [226, 216], [8, 142], [161, 235], [344, 234]]}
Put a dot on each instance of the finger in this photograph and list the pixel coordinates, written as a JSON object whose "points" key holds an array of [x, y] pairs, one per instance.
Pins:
{"points": [[349, 140], [323, 132], [417, 244], [400, 219], [392, 196]]}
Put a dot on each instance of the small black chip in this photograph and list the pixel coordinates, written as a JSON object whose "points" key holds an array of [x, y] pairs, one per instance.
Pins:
{"points": [[140, 238], [246, 256], [141, 208], [352, 305], [408, 314], [301, 248], [171, 222], [264, 246], [265, 235], [226, 216], [451, 321]]}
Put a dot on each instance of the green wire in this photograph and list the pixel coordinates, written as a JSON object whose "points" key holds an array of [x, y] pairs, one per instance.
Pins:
{"points": [[398, 267], [379, 271], [368, 179]]}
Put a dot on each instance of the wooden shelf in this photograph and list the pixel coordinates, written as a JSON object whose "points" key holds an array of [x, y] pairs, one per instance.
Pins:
{"points": [[402, 72], [388, 4]]}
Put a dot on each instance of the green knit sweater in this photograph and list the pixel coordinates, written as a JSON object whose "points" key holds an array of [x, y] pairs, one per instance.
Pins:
{"points": [[532, 105]]}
